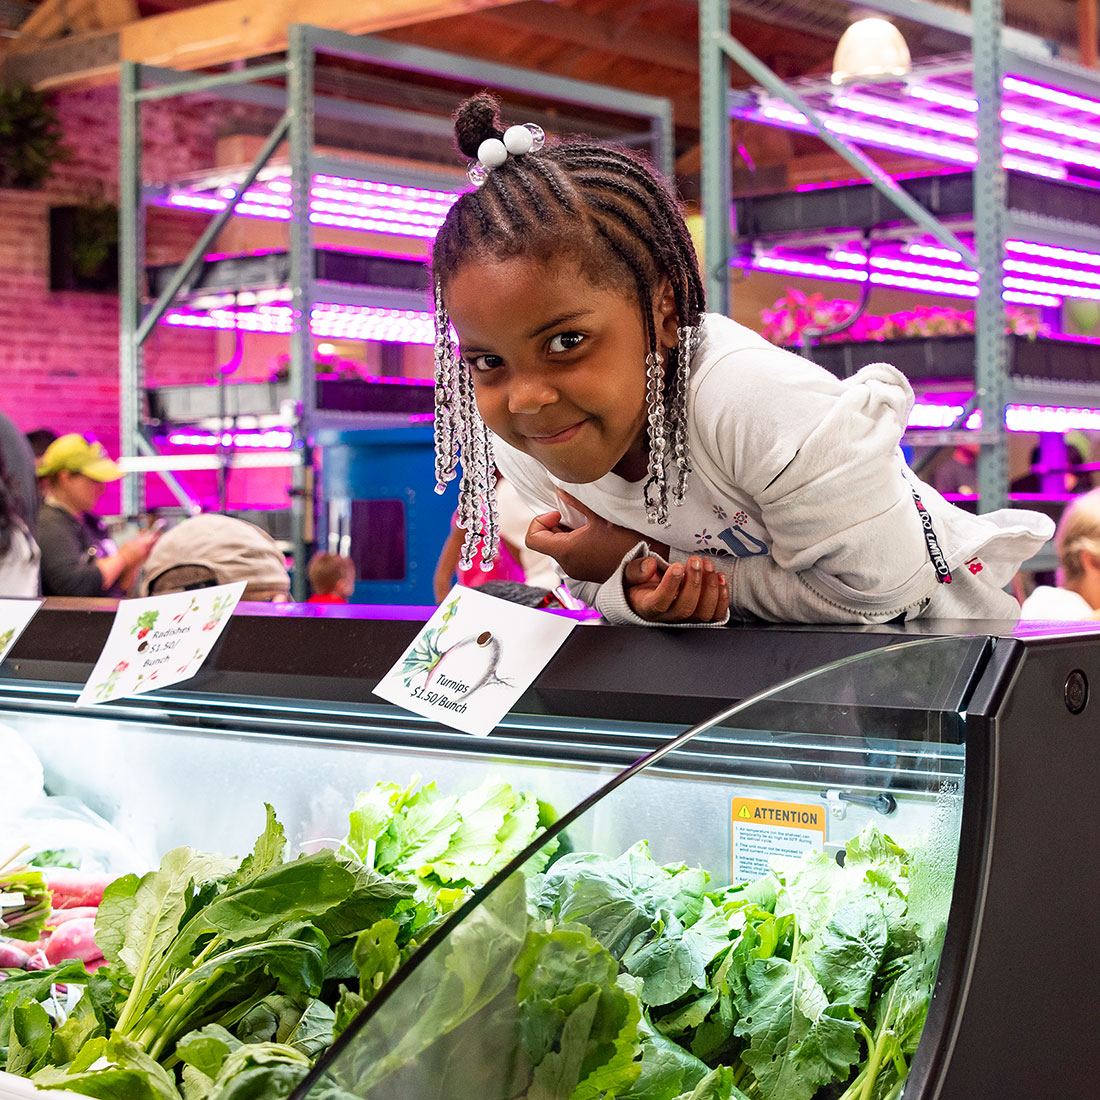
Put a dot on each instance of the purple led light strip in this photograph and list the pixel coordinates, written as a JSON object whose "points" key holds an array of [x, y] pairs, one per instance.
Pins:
{"points": [[1018, 418], [335, 201]]}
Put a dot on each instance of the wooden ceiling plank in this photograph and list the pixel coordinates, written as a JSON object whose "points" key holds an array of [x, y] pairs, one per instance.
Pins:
{"points": [[595, 33], [234, 30]]}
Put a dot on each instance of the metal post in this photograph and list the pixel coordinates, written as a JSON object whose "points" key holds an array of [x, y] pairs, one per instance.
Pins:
{"points": [[303, 385], [717, 182], [990, 198], [131, 262]]}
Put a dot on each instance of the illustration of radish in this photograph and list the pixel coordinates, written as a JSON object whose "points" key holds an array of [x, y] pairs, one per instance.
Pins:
{"points": [[145, 622], [194, 606]]}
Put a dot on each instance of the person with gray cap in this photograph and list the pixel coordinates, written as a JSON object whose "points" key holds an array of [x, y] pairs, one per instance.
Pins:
{"points": [[212, 549]]}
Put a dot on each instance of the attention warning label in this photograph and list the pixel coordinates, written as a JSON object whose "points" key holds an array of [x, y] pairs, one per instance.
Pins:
{"points": [[763, 831]]}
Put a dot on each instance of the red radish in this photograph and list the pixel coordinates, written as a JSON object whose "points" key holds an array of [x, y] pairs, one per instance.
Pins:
{"points": [[38, 960], [12, 955], [73, 940], [72, 888], [60, 916], [94, 964]]}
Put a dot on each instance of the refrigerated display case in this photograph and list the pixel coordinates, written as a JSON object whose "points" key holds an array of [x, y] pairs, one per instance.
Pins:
{"points": [[974, 750]]}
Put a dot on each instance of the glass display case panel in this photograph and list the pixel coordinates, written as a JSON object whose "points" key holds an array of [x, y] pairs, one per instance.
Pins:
{"points": [[773, 930]]}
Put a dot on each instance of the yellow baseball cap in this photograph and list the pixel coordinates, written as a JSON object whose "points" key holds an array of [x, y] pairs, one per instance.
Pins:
{"points": [[80, 456]]}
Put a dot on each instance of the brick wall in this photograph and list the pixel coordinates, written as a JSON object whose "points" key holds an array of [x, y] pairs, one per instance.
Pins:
{"points": [[59, 350]]}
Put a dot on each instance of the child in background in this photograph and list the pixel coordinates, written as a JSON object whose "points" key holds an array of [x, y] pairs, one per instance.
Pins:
{"points": [[332, 578], [513, 561], [683, 467]]}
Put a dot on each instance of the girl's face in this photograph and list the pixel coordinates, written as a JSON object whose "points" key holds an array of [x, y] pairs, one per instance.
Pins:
{"points": [[558, 363]]}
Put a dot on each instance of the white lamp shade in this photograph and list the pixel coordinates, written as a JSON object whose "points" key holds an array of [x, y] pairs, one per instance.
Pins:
{"points": [[870, 47]]}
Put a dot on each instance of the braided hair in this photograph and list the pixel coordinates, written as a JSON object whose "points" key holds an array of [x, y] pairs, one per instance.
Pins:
{"points": [[11, 510], [607, 207]]}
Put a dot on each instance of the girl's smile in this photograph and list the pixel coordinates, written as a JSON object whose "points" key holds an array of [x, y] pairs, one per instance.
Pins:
{"points": [[558, 364]]}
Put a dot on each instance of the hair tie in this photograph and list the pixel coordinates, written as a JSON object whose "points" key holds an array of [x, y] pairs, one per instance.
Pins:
{"points": [[493, 152]]}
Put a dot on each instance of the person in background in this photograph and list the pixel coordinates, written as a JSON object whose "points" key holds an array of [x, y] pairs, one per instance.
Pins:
{"points": [[207, 550], [19, 555], [1077, 542], [18, 460], [514, 560], [40, 440], [332, 578], [79, 557]]}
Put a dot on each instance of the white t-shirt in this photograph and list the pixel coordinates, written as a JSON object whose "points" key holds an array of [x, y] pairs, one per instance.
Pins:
{"points": [[800, 492], [1055, 604], [19, 566]]}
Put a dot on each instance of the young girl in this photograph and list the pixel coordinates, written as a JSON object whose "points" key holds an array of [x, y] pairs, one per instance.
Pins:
{"points": [[683, 467]]}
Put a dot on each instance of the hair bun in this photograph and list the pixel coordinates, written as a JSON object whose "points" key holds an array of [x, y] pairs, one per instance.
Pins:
{"points": [[475, 120]]}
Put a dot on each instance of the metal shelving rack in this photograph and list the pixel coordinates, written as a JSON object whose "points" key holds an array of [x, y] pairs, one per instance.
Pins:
{"points": [[300, 108], [995, 51]]}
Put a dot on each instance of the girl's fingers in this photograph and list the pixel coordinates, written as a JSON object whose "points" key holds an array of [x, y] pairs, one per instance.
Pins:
{"points": [[664, 595], [708, 595], [687, 602], [723, 607], [639, 571]]}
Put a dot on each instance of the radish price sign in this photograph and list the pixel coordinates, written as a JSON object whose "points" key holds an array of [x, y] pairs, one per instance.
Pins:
{"points": [[158, 641], [474, 658], [14, 616]]}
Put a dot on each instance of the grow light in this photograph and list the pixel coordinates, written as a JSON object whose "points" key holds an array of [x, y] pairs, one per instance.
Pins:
{"points": [[1045, 131], [395, 326], [333, 201]]}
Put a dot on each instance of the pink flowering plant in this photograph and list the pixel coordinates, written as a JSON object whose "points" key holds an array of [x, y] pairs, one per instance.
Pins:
{"points": [[798, 317]]}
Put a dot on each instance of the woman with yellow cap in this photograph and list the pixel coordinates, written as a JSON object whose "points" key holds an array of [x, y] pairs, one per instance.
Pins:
{"points": [[78, 556]]}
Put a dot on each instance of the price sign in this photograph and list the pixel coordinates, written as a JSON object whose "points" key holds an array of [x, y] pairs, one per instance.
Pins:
{"points": [[159, 641]]}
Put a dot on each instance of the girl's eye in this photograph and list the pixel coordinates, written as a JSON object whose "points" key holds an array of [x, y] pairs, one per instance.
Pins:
{"points": [[480, 364], [566, 341]]}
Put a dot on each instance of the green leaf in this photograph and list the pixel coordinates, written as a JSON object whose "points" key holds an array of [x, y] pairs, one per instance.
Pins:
{"points": [[130, 1075], [473, 848], [207, 1049], [675, 962], [376, 956], [846, 954], [348, 1007], [618, 900], [80, 1025], [666, 1069], [31, 1032], [825, 1054], [267, 852]]}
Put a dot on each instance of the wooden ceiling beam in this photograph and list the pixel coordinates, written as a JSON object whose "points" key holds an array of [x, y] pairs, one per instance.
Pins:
{"points": [[235, 30], [216, 33]]}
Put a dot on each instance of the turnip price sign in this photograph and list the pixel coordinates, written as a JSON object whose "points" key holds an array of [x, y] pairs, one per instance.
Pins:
{"points": [[159, 641], [14, 616], [474, 658]]}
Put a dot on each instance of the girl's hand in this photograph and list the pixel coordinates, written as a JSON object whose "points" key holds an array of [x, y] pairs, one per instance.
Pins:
{"points": [[687, 592], [591, 552]]}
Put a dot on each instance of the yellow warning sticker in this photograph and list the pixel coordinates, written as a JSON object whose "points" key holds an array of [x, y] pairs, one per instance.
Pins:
{"points": [[764, 830]]}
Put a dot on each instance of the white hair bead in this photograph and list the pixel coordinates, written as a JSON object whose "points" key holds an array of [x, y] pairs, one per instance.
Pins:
{"points": [[518, 140], [492, 152]]}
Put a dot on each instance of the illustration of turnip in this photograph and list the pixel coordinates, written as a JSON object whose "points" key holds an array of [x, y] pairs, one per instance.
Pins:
{"points": [[472, 662]]}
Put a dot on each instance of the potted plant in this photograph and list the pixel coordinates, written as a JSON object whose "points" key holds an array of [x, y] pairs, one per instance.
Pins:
{"points": [[30, 137]]}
